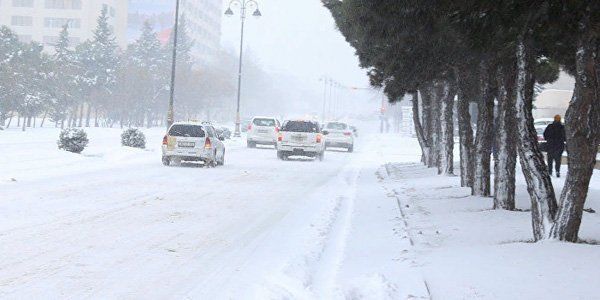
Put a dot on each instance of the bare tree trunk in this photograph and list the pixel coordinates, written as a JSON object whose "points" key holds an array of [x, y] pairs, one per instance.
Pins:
{"points": [[582, 133], [435, 126], [19, 120], [44, 119], [419, 129], [88, 115], [24, 124], [29, 121], [10, 120], [505, 158], [483, 141], [96, 124], [446, 94], [427, 125], [80, 115], [465, 131], [539, 185]]}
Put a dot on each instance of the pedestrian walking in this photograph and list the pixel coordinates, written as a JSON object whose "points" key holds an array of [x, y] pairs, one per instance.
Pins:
{"points": [[555, 143]]}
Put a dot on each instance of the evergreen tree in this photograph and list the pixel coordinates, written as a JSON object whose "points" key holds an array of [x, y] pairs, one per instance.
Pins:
{"points": [[64, 77], [100, 61], [10, 48]]}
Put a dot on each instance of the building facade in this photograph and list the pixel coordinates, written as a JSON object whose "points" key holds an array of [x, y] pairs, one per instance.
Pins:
{"points": [[42, 20], [203, 20]]}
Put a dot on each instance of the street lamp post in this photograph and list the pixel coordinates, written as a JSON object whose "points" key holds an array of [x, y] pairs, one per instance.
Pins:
{"points": [[171, 110], [244, 5]]}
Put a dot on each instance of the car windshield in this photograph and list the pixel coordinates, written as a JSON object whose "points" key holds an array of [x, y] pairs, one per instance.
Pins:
{"points": [[264, 122], [187, 131], [337, 126], [300, 126]]}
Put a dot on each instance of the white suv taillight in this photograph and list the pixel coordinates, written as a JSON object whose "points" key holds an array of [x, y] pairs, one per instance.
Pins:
{"points": [[207, 144]]}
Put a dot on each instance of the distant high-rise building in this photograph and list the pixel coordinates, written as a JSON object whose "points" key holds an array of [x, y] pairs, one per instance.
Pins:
{"points": [[203, 19], [42, 20]]}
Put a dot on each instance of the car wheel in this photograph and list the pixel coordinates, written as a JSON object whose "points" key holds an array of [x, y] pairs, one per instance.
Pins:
{"points": [[166, 161], [351, 148], [222, 161]]}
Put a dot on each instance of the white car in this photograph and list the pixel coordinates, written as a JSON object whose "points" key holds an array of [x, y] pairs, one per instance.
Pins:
{"points": [[300, 138], [543, 122], [262, 131], [338, 135], [193, 141]]}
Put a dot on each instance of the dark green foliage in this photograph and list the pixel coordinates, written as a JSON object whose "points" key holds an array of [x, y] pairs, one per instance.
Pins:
{"points": [[72, 140], [133, 137]]}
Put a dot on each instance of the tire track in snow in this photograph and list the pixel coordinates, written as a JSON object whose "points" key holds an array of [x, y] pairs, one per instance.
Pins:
{"points": [[324, 278]]}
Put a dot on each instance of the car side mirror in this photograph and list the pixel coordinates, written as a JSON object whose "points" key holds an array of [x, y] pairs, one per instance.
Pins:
{"points": [[325, 132]]}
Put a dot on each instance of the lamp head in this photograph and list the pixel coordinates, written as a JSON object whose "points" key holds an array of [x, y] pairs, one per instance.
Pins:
{"points": [[257, 13], [229, 12]]}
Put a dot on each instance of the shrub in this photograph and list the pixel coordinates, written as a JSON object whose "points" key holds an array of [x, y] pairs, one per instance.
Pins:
{"points": [[72, 140], [133, 138]]}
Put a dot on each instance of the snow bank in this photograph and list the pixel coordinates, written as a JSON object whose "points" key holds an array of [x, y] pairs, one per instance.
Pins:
{"points": [[466, 250]]}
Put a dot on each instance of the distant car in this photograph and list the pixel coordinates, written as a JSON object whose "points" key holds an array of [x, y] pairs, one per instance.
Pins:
{"points": [[193, 141], [262, 131], [223, 131], [354, 130], [300, 138], [338, 135], [540, 136], [244, 124]]}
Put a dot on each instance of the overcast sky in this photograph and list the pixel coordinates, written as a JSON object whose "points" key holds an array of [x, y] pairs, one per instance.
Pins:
{"points": [[296, 37]]}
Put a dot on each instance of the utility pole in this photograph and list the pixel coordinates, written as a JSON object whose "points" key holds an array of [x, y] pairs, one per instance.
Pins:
{"points": [[244, 4], [171, 109]]}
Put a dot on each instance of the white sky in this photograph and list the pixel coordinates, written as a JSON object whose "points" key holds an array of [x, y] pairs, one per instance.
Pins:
{"points": [[296, 37]]}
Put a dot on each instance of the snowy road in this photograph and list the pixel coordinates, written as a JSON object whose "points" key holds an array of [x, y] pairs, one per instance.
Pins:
{"points": [[115, 223]]}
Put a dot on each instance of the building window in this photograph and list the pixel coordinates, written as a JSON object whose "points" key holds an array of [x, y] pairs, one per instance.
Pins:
{"points": [[21, 21], [63, 4], [22, 3], [60, 22]]}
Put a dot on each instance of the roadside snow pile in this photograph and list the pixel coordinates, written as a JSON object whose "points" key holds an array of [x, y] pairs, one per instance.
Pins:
{"points": [[133, 137], [72, 140], [467, 250]]}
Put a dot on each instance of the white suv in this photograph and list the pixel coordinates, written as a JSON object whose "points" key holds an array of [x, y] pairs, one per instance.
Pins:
{"points": [[338, 135], [191, 141], [300, 138], [262, 131]]}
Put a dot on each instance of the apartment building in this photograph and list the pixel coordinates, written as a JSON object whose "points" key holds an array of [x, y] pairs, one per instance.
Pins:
{"points": [[203, 19], [42, 20]]}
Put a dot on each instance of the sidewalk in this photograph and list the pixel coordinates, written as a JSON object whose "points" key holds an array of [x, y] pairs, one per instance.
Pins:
{"points": [[466, 250]]}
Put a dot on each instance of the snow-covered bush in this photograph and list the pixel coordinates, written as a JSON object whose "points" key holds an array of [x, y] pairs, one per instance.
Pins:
{"points": [[133, 138], [73, 140]]}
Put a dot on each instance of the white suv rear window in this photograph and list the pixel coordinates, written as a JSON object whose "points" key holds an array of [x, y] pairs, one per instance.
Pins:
{"points": [[264, 122], [300, 126], [337, 126], [187, 131]]}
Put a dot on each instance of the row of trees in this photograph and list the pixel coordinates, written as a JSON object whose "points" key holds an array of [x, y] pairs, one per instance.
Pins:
{"points": [[492, 53], [98, 82]]}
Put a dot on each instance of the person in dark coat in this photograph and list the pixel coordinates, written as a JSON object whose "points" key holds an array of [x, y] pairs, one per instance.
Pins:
{"points": [[555, 143]]}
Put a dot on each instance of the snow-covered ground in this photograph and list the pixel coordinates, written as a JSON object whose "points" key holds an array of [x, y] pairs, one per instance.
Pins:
{"points": [[114, 223]]}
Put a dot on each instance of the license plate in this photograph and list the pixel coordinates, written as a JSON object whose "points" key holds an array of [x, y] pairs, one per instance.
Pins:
{"points": [[298, 138], [186, 144], [263, 131]]}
